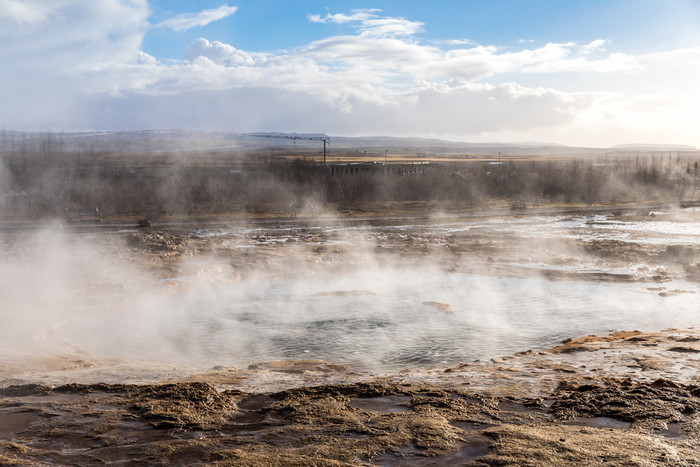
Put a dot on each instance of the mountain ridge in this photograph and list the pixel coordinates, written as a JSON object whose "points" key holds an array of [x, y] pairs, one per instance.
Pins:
{"points": [[155, 140]]}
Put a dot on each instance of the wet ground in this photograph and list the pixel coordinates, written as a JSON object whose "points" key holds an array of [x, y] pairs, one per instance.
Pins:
{"points": [[402, 341], [624, 399]]}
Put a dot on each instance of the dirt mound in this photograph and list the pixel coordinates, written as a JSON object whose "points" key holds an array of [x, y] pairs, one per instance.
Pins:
{"points": [[159, 242], [652, 404], [627, 251]]}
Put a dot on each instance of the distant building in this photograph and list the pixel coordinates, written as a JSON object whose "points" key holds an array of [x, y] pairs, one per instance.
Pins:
{"points": [[397, 169]]}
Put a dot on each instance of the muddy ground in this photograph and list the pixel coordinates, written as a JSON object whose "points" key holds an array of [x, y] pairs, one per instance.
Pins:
{"points": [[625, 399], [278, 247], [628, 398]]}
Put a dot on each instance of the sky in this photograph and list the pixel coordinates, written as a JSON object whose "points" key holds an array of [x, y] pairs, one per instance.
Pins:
{"points": [[593, 73]]}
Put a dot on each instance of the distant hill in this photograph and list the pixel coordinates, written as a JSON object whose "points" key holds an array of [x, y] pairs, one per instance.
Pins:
{"points": [[436, 146], [188, 141], [655, 147]]}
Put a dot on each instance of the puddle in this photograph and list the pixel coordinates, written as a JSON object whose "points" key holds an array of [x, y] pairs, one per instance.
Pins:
{"points": [[137, 432], [477, 446], [672, 431], [355, 436], [256, 402], [75, 441], [250, 422], [16, 422], [385, 404], [508, 406], [239, 428], [252, 416], [248, 418]]}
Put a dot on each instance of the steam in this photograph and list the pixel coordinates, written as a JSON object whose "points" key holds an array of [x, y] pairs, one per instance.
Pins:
{"points": [[50, 281], [338, 299]]}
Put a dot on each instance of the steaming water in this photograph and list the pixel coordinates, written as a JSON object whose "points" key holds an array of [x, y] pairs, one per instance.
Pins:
{"points": [[373, 318], [681, 229], [249, 322]]}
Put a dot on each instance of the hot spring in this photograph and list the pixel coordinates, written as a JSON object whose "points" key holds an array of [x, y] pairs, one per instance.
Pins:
{"points": [[380, 320], [67, 291]]}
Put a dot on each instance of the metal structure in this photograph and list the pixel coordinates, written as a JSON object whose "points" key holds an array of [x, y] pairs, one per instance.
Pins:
{"points": [[326, 140]]}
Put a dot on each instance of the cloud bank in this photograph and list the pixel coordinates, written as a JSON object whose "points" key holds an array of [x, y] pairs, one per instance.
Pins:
{"points": [[79, 64]]}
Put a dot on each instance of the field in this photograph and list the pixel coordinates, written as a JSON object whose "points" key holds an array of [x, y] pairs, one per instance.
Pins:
{"points": [[255, 182]]}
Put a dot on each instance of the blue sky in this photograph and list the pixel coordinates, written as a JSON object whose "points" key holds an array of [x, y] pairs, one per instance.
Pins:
{"points": [[635, 25], [592, 73]]}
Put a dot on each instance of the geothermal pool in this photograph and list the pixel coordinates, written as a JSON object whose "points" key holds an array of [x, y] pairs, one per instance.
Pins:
{"points": [[382, 320], [245, 294]]}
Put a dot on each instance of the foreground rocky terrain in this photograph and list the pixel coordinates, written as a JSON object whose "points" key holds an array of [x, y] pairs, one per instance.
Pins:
{"points": [[630, 398]]}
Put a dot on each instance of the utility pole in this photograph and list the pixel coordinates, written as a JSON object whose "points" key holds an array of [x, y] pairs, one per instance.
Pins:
{"points": [[326, 140]]}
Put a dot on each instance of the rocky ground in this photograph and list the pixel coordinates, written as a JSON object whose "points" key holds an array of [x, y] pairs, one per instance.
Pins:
{"points": [[336, 244], [625, 399]]}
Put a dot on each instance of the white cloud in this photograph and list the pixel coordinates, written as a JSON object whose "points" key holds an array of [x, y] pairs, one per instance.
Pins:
{"points": [[73, 36], [593, 46], [219, 53], [394, 55], [390, 27], [340, 18], [187, 21], [687, 56], [370, 24], [457, 109], [142, 58], [21, 11], [454, 42], [616, 62], [78, 64]]}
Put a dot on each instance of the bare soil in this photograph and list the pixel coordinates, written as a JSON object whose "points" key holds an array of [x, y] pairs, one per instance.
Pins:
{"points": [[544, 408]]}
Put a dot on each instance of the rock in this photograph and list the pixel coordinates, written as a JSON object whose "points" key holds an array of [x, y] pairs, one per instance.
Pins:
{"points": [[441, 307]]}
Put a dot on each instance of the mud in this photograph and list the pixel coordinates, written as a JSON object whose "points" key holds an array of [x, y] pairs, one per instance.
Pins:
{"points": [[542, 408], [488, 254], [509, 245]]}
